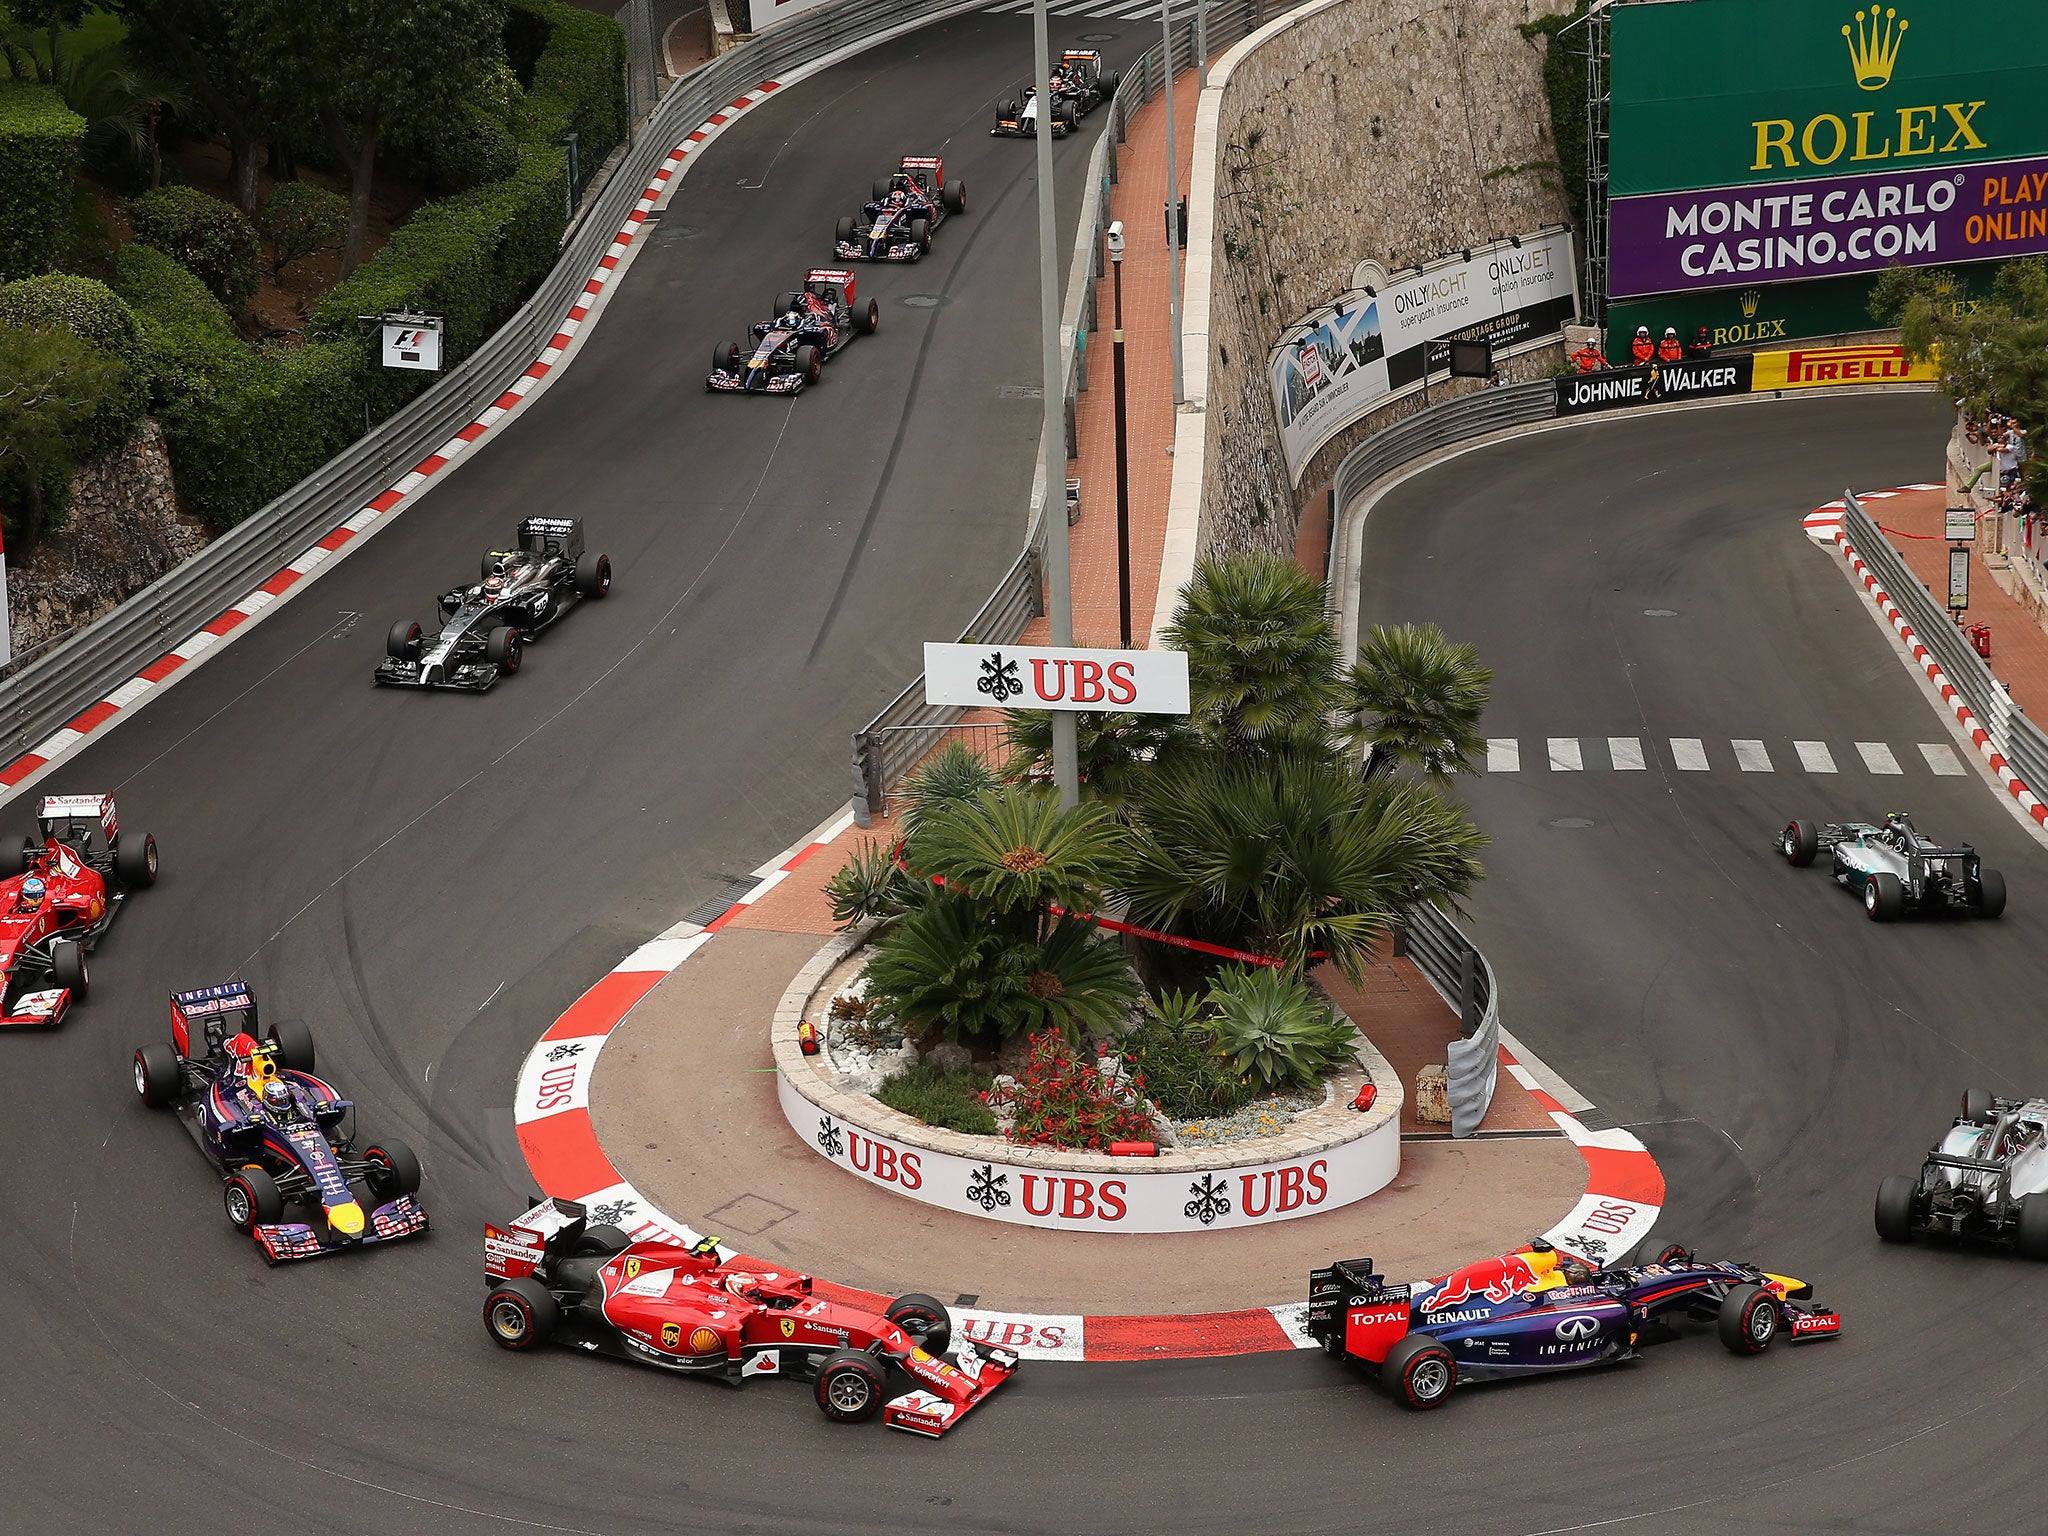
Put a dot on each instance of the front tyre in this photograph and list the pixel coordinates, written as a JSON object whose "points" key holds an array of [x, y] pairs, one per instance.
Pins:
{"points": [[135, 863], [157, 1076], [1799, 842], [924, 1319], [501, 649], [813, 362], [394, 1168], [1896, 1196], [1749, 1320], [849, 1386], [402, 642], [594, 575], [251, 1198], [521, 1314], [842, 233], [1883, 897], [67, 968], [1420, 1372]]}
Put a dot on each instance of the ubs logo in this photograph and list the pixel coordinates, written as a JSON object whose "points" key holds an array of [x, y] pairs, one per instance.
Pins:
{"points": [[1575, 1330]]}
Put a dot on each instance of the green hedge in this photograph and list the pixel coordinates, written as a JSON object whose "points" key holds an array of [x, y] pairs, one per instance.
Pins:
{"points": [[210, 238], [90, 311], [39, 138], [578, 79]]}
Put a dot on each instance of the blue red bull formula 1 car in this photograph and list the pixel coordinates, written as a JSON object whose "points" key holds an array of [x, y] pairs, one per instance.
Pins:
{"points": [[1538, 1310], [278, 1135]]}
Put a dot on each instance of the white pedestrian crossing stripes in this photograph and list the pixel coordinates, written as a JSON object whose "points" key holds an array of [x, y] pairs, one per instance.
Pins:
{"points": [[1695, 754]]}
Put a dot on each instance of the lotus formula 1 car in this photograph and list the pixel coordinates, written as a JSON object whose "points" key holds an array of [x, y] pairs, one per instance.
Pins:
{"points": [[1079, 85], [1538, 1311], [485, 628], [73, 880], [1896, 870], [686, 1309], [1987, 1180], [278, 1135], [789, 351], [897, 224]]}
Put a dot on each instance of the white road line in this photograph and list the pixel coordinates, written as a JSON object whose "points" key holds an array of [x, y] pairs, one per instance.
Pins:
{"points": [[1564, 754], [1503, 754], [1751, 757], [1941, 759], [1814, 756], [1877, 757], [1689, 754], [1626, 751]]}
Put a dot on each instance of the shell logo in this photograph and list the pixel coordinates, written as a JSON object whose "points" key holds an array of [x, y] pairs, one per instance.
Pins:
{"points": [[703, 1341]]}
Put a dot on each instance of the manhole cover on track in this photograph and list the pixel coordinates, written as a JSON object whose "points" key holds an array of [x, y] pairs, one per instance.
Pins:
{"points": [[1100, 37], [921, 301], [1660, 613], [1571, 823]]}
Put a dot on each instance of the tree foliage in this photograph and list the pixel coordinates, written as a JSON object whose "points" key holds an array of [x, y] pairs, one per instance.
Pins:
{"points": [[1414, 700], [299, 220], [52, 385], [1261, 653]]}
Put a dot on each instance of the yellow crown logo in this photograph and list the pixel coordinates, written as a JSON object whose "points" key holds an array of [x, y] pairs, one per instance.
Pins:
{"points": [[1874, 46], [1750, 300], [1943, 283]]}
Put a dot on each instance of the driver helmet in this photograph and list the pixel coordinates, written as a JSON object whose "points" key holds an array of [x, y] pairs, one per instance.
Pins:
{"points": [[1574, 1271], [793, 320], [277, 1098], [494, 584], [32, 893]]}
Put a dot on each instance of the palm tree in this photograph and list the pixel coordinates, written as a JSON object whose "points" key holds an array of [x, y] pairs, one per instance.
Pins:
{"points": [[1414, 699], [1262, 656], [1114, 750], [1015, 852]]}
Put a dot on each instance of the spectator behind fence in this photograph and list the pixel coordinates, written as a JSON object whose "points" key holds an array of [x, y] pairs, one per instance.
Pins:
{"points": [[1701, 346], [1642, 350], [1670, 349]]}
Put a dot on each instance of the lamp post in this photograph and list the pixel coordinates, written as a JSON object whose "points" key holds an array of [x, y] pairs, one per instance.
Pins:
{"points": [[1123, 457], [1180, 393]]}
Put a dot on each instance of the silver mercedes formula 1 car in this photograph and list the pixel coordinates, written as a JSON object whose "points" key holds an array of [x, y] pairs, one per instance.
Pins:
{"points": [[1896, 870], [1987, 1180]]}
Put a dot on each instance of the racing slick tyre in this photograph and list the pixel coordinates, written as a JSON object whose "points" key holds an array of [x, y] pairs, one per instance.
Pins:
{"points": [[1420, 1372], [1977, 1107], [1883, 897], [501, 649], [1987, 893], [785, 302], [1799, 843], [67, 968], [869, 320], [849, 1386], [594, 575], [921, 232], [726, 358], [294, 1042], [157, 1078], [1106, 86], [1749, 1320], [251, 1198], [2031, 1234], [1069, 116], [394, 1168], [954, 197], [924, 1319], [1895, 1200], [402, 643], [813, 364], [1654, 1252], [601, 1242], [135, 863], [842, 233], [521, 1314], [30, 848], [880, 189]]}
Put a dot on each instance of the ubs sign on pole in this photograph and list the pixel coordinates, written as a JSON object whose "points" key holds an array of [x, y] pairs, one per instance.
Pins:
{"points": [[1056, 677]]}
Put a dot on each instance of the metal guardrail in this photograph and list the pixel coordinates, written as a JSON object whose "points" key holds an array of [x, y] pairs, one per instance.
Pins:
{"points": [[1457, 969], [39, 698], [2012, 733], [1439, 426]]}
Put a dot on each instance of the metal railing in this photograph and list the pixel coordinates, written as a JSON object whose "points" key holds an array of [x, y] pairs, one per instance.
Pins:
{"points": [[2012, 733], [1457, 969], [37, 699]]}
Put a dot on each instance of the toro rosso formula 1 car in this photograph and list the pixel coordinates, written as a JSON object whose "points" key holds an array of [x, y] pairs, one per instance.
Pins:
{"points": [[484, 628], [73, 879], [1896, 870], [897, 224], [789, 351], [1538, 1311], [1987, 1180], [278, 1135], [686, 1309]]}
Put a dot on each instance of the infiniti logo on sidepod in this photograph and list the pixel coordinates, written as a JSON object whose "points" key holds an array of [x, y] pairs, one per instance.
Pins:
{"points": [[1575, 1328]]}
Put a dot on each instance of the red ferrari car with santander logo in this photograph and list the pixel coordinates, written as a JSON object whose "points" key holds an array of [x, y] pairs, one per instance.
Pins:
{"points": [[689, 1310], [73, 881]]}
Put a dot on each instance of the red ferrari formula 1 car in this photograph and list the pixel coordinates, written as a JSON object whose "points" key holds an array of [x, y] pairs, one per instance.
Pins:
{"points": [[72, 883], [685, 1309]]}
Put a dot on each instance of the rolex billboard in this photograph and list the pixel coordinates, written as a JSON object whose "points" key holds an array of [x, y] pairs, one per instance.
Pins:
{"points": [[1758, 142]]}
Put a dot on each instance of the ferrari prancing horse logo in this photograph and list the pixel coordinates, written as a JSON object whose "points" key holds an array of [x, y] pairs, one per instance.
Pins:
{"points": [[788, 1328], [632, 1269], [671, 1335]]}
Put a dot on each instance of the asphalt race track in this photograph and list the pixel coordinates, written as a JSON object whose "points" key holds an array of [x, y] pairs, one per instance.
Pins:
{"points": [[429, 879]]}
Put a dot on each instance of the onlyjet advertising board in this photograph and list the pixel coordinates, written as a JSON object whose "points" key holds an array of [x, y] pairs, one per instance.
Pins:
{"points": [[1342, 361], [1768, 140]]}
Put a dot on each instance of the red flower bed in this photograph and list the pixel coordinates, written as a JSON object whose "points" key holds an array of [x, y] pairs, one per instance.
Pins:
{"points": [[1063, 1099]]}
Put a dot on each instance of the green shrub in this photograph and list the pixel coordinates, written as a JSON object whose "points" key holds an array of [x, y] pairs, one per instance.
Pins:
{"points": [[301, 219], [1178, 1052], [467, 148], [211, 239], [871, 884], [1275, 1031], [90, 311], [950, 1100], [576, 81], [39, 139], [53, 386], [184, 333]]}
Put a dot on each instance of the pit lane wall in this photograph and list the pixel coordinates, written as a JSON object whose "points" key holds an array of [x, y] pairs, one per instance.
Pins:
{"points": [[1330, 1157]]}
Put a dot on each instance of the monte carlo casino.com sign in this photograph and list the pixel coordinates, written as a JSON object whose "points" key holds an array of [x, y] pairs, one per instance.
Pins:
{"points": [[1757, 142]]}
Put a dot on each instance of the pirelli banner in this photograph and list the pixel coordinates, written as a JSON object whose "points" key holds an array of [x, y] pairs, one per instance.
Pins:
{"points": [[1834, 367]]}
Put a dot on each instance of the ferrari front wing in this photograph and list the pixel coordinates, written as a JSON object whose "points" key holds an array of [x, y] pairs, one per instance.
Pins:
{"points": [[949, 1391]]}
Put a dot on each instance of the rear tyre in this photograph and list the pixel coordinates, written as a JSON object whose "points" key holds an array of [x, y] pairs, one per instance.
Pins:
{"points": [[814, 363], [251, 1198], [1883, 897], [1988, 899], [394, 1168], [403, 641], [1799, 843], [294, 1041], [521, 1314], [1895, 1199], [502, 648], [157, 1078], [849, 1386], [1977, 1107], [1749, 1320], [870, 319], [135, 863], [594, 575], [1107, 84], [2032, 1233], [67, 968], [924, 1319], [1420, 1372], [601, 1242], [843, 233], [955, 197]]}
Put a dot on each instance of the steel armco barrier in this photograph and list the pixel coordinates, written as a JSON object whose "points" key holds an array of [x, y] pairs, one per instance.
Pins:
{"points": [[2013, 734], [1457, 969], [40, 697]]}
